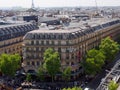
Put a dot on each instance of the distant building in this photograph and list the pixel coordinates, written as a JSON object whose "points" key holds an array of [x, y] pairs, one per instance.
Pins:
{"points": [[82, 17], [30, 18], [11, 37], [3, 22], [72, 42], [49, 20]]}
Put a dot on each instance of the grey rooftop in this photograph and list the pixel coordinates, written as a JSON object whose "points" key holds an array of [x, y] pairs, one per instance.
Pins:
{"points": [[72, 30]]}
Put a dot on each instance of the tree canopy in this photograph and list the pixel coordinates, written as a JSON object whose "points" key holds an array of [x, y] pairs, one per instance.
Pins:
{"points": [[51, 62], [9, 64], [28, 77], [112, 86], [40, 73], [94, 62], [67, 73], [109, 48]]}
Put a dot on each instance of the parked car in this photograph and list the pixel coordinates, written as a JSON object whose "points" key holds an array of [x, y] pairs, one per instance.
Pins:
{"points": [[88, 89]]}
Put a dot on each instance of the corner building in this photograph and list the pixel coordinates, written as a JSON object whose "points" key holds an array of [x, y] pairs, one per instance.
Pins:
{"points": [[71, 42]]}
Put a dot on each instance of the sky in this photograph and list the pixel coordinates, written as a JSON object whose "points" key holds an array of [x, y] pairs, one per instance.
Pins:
{"points": [[57, 3]]}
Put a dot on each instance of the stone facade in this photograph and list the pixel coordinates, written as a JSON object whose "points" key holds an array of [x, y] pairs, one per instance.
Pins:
{"points": [[71, 43]]}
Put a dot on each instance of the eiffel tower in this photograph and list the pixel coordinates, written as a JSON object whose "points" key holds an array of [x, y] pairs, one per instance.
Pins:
{"points": [[32, 5], [32, 9]]}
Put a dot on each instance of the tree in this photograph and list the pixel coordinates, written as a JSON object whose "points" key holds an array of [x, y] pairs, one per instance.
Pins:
{"points": [[66, 74], [40, 73], [51, 62], [109, 48], [28, 77], [112, 86], [9, 64], [94, 62]]}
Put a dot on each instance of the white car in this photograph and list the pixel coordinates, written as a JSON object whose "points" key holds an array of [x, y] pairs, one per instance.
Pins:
{"points": [[88, 89]]}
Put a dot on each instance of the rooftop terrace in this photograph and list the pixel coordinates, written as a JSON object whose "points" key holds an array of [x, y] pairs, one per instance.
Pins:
{"points": [[76, 26]]}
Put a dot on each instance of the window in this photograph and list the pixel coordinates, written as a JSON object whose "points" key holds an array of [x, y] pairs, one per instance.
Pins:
{"points": [[70, 41], [72, 63], [117, 21], [28, 63], [35, 56], [112, 23], [72, 55], [34, 49], [38, 63], [37, 42], [105, 25], [63, 42], [67, 56], [67, 42], [39, 49], [56, 49], [59, 49], [47, 42], [97, 27], [29, 49], [67, 50], [64, 36], [67, 63], [33, 63], [46, 36], [52, 42], [56, 42], [42, 42], [80, 67], [32, 42], [63, 50], [59, 42], [42, 49]]}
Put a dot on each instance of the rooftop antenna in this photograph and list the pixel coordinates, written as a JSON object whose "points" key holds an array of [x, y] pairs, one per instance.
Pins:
{"points": [[32, 6]]}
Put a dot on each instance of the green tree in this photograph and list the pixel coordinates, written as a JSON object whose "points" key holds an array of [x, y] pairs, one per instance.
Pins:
{"points": [[9, 64], [112, 86], [109, 48], [40, 73], [51, 62], [94, 62], [66, 74], [28, 77]]}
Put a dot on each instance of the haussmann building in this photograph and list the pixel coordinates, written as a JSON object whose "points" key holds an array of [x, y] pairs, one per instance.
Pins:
{"points": [[71, 41], [11, 37]]}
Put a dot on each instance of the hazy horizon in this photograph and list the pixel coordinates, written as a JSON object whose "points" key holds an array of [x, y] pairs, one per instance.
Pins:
{"points": [[58, 3]]}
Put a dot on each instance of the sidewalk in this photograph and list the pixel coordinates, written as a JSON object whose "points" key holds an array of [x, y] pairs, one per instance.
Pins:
{"points": [[118, 88]]}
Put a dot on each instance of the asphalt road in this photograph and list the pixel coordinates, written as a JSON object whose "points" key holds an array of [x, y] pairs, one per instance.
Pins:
{"points": [[96, 81]]}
